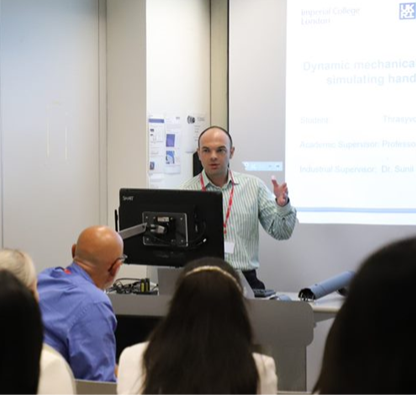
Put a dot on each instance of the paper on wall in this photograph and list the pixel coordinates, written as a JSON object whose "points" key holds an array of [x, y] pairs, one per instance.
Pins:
{"points": [[157, 138], [195, 124], [156, 180], [173, 145]]}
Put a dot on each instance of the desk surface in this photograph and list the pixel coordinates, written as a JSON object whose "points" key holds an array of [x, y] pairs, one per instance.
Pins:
{"points": [[284, 328], [328, 304]]}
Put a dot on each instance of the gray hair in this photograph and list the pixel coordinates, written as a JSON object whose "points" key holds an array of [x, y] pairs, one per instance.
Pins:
{"points": [[20, 264]]}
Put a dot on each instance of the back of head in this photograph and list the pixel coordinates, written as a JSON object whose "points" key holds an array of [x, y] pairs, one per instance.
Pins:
{"points": [[98, 244], [371, 345], [204, 344], [21, 337], [99, 251], [20, 264]]}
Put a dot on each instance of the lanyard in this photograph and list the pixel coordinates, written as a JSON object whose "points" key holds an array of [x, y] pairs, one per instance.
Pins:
{"points": [[230, 201]]}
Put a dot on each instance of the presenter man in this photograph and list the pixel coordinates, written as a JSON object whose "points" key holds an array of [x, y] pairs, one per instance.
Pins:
{"points": [[246, 201]]}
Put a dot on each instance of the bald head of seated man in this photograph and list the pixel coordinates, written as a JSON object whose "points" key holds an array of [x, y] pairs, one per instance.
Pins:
{"points": [[78, 317], [99, 252]]}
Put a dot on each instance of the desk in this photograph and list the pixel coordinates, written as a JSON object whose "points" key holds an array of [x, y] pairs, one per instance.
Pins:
{"points": [[85, 387], [325, 308], [283, 328]]}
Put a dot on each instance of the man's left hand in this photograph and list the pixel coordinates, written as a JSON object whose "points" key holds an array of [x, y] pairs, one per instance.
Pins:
{"points": [[281, 192]]}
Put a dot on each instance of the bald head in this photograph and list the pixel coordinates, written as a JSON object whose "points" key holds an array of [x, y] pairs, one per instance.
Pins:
{"points": [[98, 244], [97, 251], [215, 132]]}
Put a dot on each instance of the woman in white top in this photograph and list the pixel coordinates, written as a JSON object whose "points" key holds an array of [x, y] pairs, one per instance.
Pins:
{"points": [[204, 345], [56, 377]]}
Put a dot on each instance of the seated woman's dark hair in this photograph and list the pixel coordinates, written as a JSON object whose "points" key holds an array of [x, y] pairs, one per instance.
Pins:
{"points": [[371, 346], [204, 344], [21, 337]]}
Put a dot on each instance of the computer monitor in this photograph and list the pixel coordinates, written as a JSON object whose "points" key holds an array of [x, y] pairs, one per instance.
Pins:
{"points": [[170, 227]]}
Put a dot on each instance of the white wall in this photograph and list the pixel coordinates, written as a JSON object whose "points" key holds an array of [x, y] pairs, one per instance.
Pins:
{"points": [[219, 63], [158, 62], [50, 125], [78, 79], [126, 97], [178, 66], [178, 70]]}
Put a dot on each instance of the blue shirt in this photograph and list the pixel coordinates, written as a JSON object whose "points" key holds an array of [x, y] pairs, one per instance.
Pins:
{"points": [[79, 322]]}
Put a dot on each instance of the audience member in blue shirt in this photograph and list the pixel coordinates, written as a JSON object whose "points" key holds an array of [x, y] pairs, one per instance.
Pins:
{"points": [[78, 316]]}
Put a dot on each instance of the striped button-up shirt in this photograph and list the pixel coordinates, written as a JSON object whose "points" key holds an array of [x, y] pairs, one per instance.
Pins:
{"points": [[252, 202]]}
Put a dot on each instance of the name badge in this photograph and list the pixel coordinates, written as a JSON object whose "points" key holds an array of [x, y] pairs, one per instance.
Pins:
{"points": [[229, 247]]}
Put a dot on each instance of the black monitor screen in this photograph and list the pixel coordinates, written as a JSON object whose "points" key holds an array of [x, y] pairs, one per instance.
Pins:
{"points": [[180, 225]]}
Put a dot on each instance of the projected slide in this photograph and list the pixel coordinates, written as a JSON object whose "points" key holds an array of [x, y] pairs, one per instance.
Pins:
{"points": [[351, 111]]}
